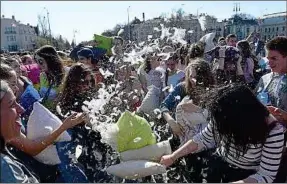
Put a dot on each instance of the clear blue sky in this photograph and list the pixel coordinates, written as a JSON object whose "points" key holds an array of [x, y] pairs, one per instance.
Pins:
{"points": [[89, 17]]}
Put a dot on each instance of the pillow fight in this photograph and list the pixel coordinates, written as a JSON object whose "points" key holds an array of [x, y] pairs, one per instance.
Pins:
{"points": [[161, 111]]}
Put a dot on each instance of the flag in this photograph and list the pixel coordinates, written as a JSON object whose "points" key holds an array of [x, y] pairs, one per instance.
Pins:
{"points": [[13, 25]]}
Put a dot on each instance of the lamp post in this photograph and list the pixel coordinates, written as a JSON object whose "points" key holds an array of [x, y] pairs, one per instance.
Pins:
{"points": [[129, 27], [49, 24]]}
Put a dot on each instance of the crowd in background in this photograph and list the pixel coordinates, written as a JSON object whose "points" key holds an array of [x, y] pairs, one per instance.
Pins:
{"points": [[238, 86]]}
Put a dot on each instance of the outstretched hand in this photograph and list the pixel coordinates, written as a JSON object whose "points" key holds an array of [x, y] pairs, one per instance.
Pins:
{"points": [[73, 120]]}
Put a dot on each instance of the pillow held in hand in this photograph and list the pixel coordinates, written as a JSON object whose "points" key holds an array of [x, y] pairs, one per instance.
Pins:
{"points": [[134, 132], [40, 124], [136, 169], [151, 152]]}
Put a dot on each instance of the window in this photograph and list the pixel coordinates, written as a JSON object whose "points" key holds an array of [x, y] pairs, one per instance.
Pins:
{"points": [[247, 30], [25, 38], [14, 38], [277, 29], [265, 30], [273, 29], [8, 38], [283, 28], [11, 38], [269, 30], [265, 37]]}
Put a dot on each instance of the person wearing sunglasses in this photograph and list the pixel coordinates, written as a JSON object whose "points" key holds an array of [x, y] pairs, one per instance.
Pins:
{"points": [[52, 74]]}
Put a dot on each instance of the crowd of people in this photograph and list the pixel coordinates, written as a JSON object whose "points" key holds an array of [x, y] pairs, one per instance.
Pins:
{"points": [[237, 88]]}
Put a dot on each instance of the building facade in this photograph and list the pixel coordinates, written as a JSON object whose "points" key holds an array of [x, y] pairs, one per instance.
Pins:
{"points": [[241, 25], [16, 36], [141, 30], [273, 25]]}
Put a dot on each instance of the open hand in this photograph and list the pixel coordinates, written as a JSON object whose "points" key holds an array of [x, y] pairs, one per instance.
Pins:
{"points": [[74, 120]]}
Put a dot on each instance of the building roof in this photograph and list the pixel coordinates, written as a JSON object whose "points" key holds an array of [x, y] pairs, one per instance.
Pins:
{"points": [[278, 14]]}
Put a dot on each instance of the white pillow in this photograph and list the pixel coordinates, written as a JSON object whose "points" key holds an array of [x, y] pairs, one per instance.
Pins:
{"points": [[151, 101], [136, 169], [192, 123], [40, 124], [151, 152]]}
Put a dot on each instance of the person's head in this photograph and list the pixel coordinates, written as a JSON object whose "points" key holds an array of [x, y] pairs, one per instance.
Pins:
{"points": [[277, 54], [14, 64], [8, 74], [196, 50], [27, 60], [252, 46], [238, 116], [77, 82], [172, 62], [86, 56], [221, 41], [151, 62], [244, 48], [50, 63], [10, 114], [123, 72], [231, 40], [198, 74]]}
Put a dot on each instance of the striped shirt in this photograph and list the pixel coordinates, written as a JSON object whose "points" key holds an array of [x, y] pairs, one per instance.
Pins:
{"points": [[265, 159]]}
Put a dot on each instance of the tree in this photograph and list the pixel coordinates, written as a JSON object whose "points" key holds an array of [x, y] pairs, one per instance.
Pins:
{"points": [[67, 44], [43, 26], [41, 41]]}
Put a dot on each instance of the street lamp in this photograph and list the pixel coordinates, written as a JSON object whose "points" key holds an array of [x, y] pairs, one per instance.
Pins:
{"points": [[49, 24], [129, 27]]}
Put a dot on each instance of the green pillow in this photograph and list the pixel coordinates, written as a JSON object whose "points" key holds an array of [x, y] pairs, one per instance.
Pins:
{"points": [[134, 132], [104, 42]]}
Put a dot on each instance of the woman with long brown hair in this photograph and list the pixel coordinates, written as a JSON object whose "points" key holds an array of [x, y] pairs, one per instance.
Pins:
{"points": [[52, 74]]}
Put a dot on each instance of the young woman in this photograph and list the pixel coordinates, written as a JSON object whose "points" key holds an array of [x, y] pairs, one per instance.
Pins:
{"points": [[24, 90], [197, 75], [10, 132], [173, 75], [245, 153], [79, 85], [247, 62], [149, 74], [7, 73], [12, 170], [51, 76]]}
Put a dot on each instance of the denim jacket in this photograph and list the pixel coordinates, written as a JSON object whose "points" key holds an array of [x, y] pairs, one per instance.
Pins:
{"points": [[173, 98]]}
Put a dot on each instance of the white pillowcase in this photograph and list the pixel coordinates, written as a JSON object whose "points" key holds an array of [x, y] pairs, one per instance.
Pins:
{"points": [[151, 101], [192, 123], [152, 152], [136, 169], [40, 124]]}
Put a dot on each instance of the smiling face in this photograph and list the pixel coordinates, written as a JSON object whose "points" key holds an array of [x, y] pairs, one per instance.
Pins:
{"points": [[277, 61], [10, 117]]}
